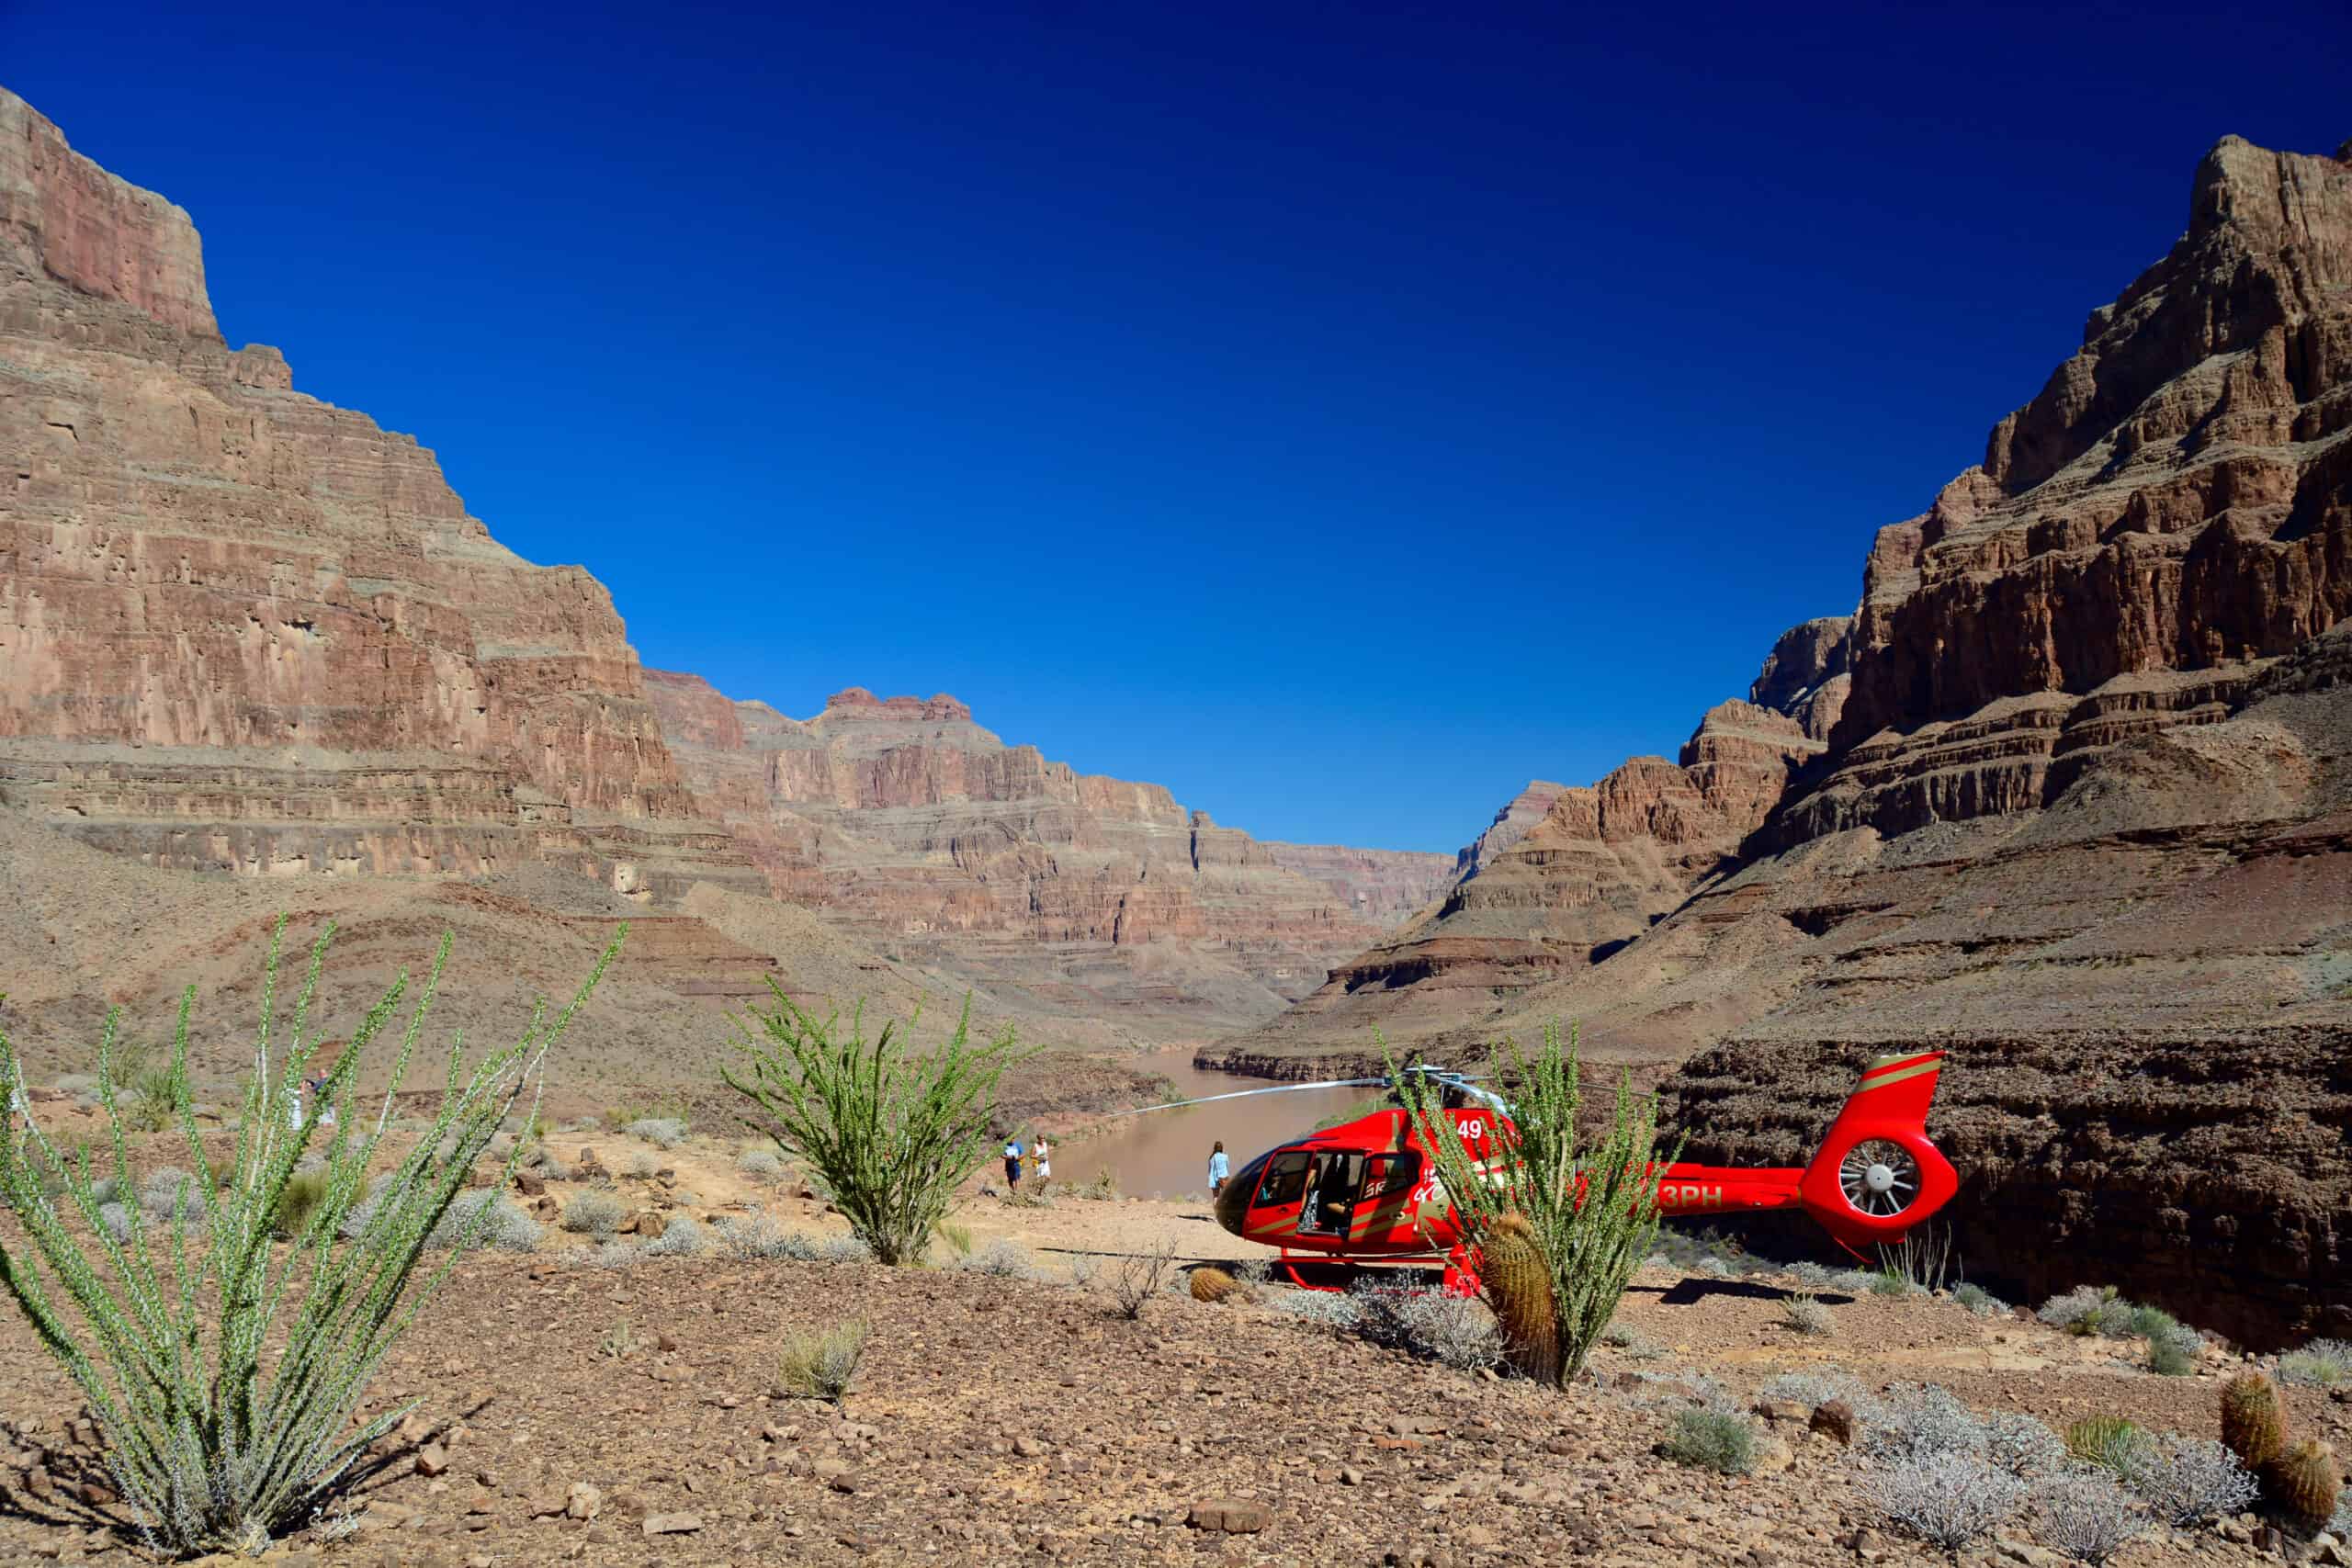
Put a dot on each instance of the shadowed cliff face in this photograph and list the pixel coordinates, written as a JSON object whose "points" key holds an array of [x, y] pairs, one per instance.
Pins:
{"points": [[2084, 816]]}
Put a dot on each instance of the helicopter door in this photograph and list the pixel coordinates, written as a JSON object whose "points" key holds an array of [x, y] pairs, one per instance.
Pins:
{"points": [[1331, 1193]]}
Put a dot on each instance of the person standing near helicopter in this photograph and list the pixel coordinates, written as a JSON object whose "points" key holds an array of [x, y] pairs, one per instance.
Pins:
{"points": [[1219, 1167]]}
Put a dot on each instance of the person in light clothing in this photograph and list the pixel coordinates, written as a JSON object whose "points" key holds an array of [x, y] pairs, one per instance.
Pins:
{"points": [[1218, 1168], [1041, 1153]]}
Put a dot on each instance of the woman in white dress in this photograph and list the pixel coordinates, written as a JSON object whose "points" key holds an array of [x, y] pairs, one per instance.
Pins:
{"points": [[1044, 1152]]}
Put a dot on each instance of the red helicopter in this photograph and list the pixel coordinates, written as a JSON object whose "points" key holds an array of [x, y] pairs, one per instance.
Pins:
{"points": [[1368, 1189]]}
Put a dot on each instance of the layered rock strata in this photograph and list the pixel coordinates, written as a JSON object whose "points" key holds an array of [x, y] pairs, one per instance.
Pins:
{"points": [[245, 630], [929, 833], [2083, 815]]}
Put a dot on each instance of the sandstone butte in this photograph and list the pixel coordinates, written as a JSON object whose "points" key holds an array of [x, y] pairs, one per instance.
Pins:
{"points": [[2069, 795], [244, 631]]}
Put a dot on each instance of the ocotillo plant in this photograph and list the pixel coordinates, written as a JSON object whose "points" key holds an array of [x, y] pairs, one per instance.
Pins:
{"points": [[890, 1133], [210, 1449], [1586, 1216]]}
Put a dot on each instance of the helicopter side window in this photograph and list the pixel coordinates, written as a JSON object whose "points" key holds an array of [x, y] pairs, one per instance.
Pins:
{"points": [[1286, 1180]]}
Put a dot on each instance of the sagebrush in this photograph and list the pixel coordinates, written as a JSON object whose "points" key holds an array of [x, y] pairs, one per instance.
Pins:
{"points": [[169, 1316]]}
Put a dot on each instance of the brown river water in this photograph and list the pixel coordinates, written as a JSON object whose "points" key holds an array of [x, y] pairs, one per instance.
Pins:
{"points": [[1166, 1153]]}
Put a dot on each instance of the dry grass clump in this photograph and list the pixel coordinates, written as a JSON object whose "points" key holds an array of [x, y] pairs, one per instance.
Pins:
{"points": [[824, 1364], [1803, 1313]]}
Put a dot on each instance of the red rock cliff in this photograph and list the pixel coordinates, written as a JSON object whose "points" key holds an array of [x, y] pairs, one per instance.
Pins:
{"points": [[246, 630]]}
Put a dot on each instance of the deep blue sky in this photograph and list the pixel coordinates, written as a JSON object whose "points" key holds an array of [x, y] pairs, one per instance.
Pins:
{"points": [[1340, 414]]}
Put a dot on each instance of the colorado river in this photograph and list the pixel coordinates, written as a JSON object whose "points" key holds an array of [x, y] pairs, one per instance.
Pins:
{"points": [[1167, 1152]]}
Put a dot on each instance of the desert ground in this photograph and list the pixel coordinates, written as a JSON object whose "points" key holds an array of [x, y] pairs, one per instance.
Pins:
{"points": [[590, 1402]]}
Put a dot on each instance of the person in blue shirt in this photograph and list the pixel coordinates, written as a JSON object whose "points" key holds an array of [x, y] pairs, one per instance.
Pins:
{"points": [[1012, 1165], [1219, 1169]]}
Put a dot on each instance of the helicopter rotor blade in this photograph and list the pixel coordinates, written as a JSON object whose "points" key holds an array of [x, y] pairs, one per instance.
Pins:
{"points": [[1245, 1093]]}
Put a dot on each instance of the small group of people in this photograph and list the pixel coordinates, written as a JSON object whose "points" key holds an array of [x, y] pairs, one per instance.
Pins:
{"points": [[1039, 1157], [315, 1083]]}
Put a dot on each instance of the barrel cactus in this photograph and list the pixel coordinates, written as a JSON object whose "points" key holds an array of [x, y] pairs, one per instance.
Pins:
{"points": [[1213, 1285], [1519, 1287], [2302, 1483], [2253, 1419]]}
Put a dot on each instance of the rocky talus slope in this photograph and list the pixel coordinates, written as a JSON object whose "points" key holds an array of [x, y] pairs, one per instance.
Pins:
{"points": [[2083, 814], [922, 832]]}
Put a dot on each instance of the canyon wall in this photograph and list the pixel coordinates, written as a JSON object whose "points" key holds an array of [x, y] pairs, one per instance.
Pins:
{"points": [[248, 631], [2081, 814], [926, 832], [244, 631]]}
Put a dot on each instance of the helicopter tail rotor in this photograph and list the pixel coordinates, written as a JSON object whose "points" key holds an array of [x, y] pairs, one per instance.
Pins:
{"points": [[1876, 1174]]}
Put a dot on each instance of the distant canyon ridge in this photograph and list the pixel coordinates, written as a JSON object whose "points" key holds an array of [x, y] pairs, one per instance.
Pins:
{"points": [[2066, 792]]}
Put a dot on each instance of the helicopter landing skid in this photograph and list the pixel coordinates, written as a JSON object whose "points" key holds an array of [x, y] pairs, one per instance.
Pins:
{"points": [[1290, 1260]]}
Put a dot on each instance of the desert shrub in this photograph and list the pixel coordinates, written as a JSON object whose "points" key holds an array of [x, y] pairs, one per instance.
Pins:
{"points": [[487, 1219], [759, 1165], [2087, 1310], [1137, 1277], [612, 1254], [1812, 1276], [304, 1194], [2322, 1363], [2171, 1351], [759, 1236], [544, 1162], [844, 1250], [2106, 1442], [1710, 1439], [1948, 1498], [1102, 1187], [592, 1213], [2087, 1516], [1814, 1385], [619, 1342], [1454, 1330], [165, 1342], [823, 1365], [1918, 1265], [2187, 1481], [641, 1165], [1001, 1259], [2023, 1446], [1803, 1314], [891, 1132], [78, 1083], [172, 1192], [661, 1131], [684, 1236], [1562, 1226], [1979, 1299], [958, 1238], [1325, 1309], [1916, 1420]]}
